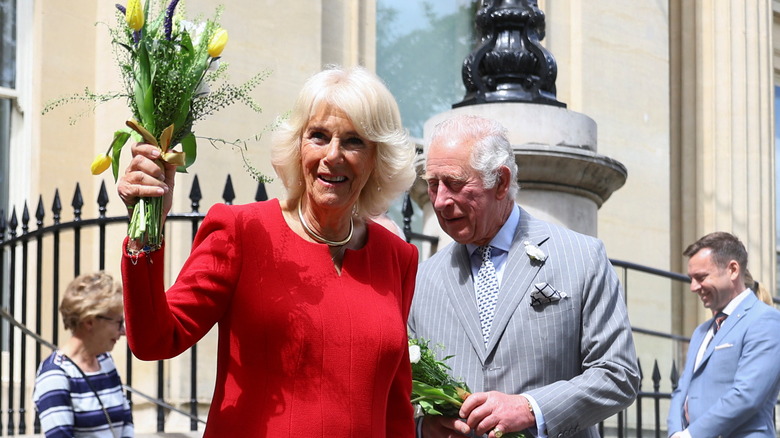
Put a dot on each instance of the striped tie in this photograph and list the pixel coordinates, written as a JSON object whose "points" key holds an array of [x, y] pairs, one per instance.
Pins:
{"points": [[719, 318], [487, 291]]}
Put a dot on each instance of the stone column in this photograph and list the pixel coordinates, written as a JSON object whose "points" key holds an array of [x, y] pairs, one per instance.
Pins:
{"points": [[722, 132]]}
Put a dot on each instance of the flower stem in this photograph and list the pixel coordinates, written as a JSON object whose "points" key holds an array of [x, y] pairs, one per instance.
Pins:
{"points": [[146, 223]]}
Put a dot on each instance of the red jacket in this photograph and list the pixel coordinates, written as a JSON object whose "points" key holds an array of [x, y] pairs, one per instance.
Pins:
{"points": [[302, 351]]}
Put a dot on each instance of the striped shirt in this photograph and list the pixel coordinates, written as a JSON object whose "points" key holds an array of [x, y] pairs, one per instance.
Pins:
{"points": [[68, 407]]}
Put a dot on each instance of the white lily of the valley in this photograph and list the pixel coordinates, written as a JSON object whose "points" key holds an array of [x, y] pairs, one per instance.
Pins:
{"points": [[534, 252]]}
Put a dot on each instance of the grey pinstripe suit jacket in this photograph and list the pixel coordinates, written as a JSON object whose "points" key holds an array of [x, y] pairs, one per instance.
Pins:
{"points": [[575, 356]]}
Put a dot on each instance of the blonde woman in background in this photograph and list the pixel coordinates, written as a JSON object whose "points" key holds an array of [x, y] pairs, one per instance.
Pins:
{"points": [[758, 289], [78, 392]]}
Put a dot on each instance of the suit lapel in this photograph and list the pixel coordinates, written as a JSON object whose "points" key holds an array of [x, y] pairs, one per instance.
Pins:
{"points": [[463, 300], [732, 321], [518, 275]]}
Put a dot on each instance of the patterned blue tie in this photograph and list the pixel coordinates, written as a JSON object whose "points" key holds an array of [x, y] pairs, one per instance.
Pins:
{"points": [[487, 291]]}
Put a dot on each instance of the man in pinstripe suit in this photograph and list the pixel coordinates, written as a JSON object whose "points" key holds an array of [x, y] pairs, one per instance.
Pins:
{"points": [[558, 356]]}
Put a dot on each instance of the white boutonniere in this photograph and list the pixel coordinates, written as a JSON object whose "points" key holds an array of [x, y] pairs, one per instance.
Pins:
{"points": [[534, 252]]}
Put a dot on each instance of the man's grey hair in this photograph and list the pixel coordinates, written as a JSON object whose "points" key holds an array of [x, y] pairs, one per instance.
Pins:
{"points": [[491, 149]]}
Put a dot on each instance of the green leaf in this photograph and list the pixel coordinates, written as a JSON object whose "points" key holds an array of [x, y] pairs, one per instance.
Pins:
{"points": [[120, 138], [421, 391], [190, 148]]}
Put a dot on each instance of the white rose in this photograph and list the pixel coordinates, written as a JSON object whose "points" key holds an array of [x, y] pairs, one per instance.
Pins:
{"points": [[414, 353]]}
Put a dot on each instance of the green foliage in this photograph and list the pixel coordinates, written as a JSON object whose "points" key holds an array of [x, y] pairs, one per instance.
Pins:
{"points": [[168, 75], [433, 389], [168, 78]]}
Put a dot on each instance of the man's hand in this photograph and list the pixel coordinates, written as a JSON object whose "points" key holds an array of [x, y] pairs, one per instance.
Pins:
{"points": [[436, 426], [486, 411]]}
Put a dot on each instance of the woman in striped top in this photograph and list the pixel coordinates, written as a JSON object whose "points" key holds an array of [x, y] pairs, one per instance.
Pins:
{"points": [[78, 392]]}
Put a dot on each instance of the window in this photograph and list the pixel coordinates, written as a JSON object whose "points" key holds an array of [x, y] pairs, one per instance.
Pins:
{"points": [[7, 90], [421, 45]]}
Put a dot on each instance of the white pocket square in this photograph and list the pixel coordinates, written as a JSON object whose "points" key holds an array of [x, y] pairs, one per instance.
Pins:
{"points": [[722, 346], [544, 294]]}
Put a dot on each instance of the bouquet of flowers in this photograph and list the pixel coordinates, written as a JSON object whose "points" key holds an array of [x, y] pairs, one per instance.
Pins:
{"points": [[168, 65], [434, 391]]}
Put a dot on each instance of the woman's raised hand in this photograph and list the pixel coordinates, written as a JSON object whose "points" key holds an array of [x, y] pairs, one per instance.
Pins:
{"points": [[147, 176]]}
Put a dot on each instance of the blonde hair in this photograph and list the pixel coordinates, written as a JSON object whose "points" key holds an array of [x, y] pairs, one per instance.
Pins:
{"points": [[88, 296], [758, 289], [374, 113]]}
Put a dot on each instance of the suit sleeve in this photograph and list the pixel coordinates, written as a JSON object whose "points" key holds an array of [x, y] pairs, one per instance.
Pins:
{"points": [[400, 414], [162, 325], [674, 421], [609, 379], [755, 381]]}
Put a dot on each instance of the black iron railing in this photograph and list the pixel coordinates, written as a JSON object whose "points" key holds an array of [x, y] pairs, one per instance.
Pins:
{"points": [[31, 266], [42, 271]]}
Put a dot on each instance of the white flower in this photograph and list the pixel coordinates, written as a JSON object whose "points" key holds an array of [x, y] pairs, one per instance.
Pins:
{"points": [[414, 353], [534, 252], [195, 30], [213, 66], [203, 89]]}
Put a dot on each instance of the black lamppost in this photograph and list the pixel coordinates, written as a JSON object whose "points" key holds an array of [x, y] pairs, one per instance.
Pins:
{"points": [[510, 64]]}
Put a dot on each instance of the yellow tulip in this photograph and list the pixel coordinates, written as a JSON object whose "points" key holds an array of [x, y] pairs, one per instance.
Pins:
{"points": [[217, 42], [134, 15], [101, 163]]}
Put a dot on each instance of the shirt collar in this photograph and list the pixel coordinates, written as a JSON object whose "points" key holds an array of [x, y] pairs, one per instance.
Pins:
{"points": [[503, 239], [732, 305]]}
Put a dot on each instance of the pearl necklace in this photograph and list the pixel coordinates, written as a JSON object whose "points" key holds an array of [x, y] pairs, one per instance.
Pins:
{"points": [[321, 239]]}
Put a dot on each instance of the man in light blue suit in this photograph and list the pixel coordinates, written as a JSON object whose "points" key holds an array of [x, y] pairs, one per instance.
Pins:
{"points": [[532, 312], [732, 374]]}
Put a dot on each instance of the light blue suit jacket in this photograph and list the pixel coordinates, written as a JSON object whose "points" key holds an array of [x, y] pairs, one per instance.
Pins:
{"points": [[733, 391], [574, 356]]}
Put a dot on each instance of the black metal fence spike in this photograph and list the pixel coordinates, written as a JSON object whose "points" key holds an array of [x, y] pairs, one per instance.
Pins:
{"points": [[195, 194], [56, 206], [40, 213], [656, 376], [641, 373], [675, 376], [260, 194], [229, 195], [407, 210], [2, 224], [77, 203], [13, 223], [102, 199], [25, 218]]}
